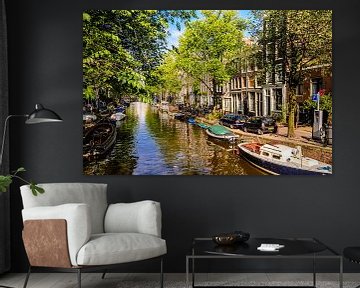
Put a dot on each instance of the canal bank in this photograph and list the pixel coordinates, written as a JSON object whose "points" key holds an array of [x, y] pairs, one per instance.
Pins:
{"points": [[302, 138]]}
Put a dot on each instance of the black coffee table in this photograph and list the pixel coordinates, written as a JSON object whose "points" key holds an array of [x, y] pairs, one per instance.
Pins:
{"points": [[294, 248]]}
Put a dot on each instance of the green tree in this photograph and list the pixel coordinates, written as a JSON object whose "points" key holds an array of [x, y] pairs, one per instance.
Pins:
{"points": [[121, 48], [107, 65], [300, 39], [208, 47], [169, 75]]}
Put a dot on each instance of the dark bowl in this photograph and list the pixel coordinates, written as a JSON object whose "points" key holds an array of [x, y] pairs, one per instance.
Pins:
{"points": [[225, 239], [231, 238]]}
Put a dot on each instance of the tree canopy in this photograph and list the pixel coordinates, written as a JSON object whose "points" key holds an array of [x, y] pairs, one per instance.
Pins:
{"points": [[121, 48], [209, 45]]}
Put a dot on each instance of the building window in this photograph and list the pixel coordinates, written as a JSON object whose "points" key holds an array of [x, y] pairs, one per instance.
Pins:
{"points": [[258, 81], [252, 81], [270, 51], [240, 107], [260, 104], [278, 99], [316, 85], [251, 65], [300, 89], [252, 101], [267, 77], [227, 104], [278, 73], [243, 82]]}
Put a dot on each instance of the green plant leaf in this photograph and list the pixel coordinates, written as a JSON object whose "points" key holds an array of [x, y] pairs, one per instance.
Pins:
{"points": [[5, 182], [20, 169], [36, 189]]}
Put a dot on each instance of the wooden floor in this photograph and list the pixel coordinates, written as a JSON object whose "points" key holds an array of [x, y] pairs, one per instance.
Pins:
{"points": [[119, 280]]}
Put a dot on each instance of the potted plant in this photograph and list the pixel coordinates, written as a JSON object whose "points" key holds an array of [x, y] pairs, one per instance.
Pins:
{"points": [[6, 180]]}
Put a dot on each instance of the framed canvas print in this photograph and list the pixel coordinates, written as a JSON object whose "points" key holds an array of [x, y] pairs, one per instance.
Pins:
{"points": [[210, 92]]}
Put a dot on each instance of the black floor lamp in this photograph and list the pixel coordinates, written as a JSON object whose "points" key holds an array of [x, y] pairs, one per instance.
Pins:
{"points": [[39, 115]]}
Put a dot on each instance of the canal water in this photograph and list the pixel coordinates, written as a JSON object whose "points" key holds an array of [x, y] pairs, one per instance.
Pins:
{"points": [[150, 142]]}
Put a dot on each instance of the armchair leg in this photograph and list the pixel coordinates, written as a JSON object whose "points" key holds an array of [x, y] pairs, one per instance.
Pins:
{"points": [[27, 277], [161, 273], [79, 277], [103, 275]]}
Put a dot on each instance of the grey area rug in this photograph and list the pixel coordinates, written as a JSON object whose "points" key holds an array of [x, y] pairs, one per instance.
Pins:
{"points": [[181, 284]]}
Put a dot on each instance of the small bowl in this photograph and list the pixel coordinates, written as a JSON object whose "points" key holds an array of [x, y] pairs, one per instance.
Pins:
{"points": [[225, 239]]}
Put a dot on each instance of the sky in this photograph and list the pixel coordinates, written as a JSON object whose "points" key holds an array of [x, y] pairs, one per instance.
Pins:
{"points": [[173, 39]]}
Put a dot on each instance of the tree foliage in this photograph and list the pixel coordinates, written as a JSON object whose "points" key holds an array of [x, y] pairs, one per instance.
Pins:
{"points": [[325, 104], [209, 45], [121, 48], [170, 77]]}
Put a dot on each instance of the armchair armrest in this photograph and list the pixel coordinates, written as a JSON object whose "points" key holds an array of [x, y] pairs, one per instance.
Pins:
{"points": [[138, 217], [77, 219]]}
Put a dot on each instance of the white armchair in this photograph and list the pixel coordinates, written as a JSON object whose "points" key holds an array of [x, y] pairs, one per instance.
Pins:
{"points": [[72, 228]]}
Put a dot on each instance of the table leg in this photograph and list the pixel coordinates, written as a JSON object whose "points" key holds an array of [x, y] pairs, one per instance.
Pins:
{"points": [[341, 273], [187, 272], [193, 272], [314, 271]]}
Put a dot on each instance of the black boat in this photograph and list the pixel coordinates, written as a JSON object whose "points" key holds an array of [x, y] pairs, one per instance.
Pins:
{"points": [[98, 140]]}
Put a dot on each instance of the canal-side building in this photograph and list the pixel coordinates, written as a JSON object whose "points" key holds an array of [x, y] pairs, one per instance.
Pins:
{"points": [[274, 89], [246, 95], [254, 91]]}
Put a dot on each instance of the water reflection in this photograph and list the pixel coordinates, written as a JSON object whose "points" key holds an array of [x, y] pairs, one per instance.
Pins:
{"points": [[152, 143]]}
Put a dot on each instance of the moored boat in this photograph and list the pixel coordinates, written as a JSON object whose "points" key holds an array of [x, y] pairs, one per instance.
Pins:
{"points": [[191, 120], [278, 159], [179, 116], [220, 132], [117, 116], [89, 117], [164, 106], [203, 125], [120, 109], [98, 140], [104, 114]]}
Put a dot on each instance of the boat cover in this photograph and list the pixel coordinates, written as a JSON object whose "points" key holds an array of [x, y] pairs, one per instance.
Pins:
{"points": [[219, 130]]}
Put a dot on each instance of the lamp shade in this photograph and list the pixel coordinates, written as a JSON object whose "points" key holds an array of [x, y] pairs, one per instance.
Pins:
{"points": [[42, 115]]}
